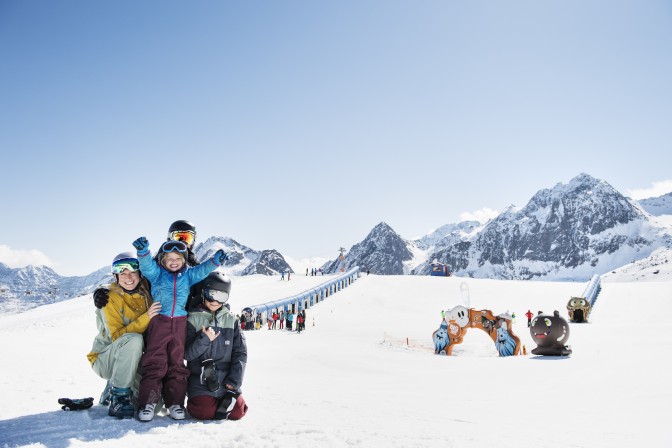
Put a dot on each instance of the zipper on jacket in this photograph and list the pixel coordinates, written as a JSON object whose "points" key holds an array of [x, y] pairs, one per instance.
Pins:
{"points": [[172, 312]]}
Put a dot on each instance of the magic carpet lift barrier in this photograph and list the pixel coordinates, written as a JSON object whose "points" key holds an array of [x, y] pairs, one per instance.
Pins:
{"points": [[309, 297]]}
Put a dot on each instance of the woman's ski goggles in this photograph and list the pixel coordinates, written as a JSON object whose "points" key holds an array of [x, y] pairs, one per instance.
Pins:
{"points": [[174, 246], [213, 295], [186, 236], [120, 266]]}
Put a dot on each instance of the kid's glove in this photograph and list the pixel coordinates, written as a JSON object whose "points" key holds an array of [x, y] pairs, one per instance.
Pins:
{"points": [[100, 297], [226, 404], [220, 257], [77, 404], [141, 244], [209, 375]]}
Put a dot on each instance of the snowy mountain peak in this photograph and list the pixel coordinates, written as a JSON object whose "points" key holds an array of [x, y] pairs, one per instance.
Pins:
{"points": [[585, 203], [32, 286], [242, 260], [661, 205], [447, 234], [383, 251], [381, 228]]}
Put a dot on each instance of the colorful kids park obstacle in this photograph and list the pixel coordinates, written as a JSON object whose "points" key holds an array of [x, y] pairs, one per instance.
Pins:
{"points": [[460, 318], [550, 333], [579, 307]]}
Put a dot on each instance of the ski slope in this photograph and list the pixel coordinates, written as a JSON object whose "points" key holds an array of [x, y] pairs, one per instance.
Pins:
{"points": [[364, 375]]}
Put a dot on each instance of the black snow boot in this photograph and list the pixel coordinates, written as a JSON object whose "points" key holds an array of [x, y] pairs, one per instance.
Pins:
{"points": [[120, 404]]}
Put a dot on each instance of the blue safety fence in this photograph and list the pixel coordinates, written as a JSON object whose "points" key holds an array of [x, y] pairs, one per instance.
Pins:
{"points": [[308, 298], [593, 290]]}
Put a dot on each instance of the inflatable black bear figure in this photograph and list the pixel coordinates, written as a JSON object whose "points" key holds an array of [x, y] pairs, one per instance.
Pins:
{"points": [[550, 334]]}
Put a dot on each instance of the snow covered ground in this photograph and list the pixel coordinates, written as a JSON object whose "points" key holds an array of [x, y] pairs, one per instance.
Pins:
{"points": [[364, 374]]}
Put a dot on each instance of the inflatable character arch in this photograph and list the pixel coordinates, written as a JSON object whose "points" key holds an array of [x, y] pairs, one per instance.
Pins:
{"points": [[460, 318]]}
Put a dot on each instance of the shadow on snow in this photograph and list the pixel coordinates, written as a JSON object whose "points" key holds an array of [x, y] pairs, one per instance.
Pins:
{"points": [[56, 429]]}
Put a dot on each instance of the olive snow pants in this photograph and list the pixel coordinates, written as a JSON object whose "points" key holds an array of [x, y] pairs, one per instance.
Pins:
{"points": [[118, 362], [163, 370]]}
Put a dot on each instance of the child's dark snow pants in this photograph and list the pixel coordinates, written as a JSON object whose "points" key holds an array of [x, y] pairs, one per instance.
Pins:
{"points": [[163, 370]]}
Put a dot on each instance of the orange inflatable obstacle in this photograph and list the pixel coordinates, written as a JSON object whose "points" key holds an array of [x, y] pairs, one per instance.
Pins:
{"points": [[459, 319]]}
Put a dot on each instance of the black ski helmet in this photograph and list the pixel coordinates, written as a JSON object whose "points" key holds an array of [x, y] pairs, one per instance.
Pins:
{"points": [[217, 281], [181, 225]]}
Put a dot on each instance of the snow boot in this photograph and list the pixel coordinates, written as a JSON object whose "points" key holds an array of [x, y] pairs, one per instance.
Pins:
{"points": [[177, 412], [105, 396], [146, 414], [120, 404]]}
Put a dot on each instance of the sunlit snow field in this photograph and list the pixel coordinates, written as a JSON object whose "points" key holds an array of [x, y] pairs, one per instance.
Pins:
{"points": [[364, 373]]}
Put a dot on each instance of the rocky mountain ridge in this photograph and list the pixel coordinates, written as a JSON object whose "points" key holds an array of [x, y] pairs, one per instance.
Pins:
{"points": [[568, 232], [661, 205]]}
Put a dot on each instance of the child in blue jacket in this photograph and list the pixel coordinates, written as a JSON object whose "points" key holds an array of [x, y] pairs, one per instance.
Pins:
{"points": [[163, 371]]}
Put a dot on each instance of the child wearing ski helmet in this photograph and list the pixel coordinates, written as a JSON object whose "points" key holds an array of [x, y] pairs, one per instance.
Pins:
{"points": [[163, 371], [216, 355], [182, 230], [117, 348], [185, 231]]}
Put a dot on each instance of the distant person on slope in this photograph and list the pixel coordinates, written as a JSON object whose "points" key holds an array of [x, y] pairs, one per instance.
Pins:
{"points": [[290, 319], [163, 371], [216, 355], [117, 349], [299, 322], [529, 316]]}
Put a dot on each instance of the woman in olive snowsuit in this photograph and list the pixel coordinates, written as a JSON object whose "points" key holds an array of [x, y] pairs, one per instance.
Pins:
{"points": [[115, 355]]}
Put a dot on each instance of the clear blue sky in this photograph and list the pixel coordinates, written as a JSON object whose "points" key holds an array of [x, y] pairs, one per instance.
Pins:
{"points": [[300, 125]]}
